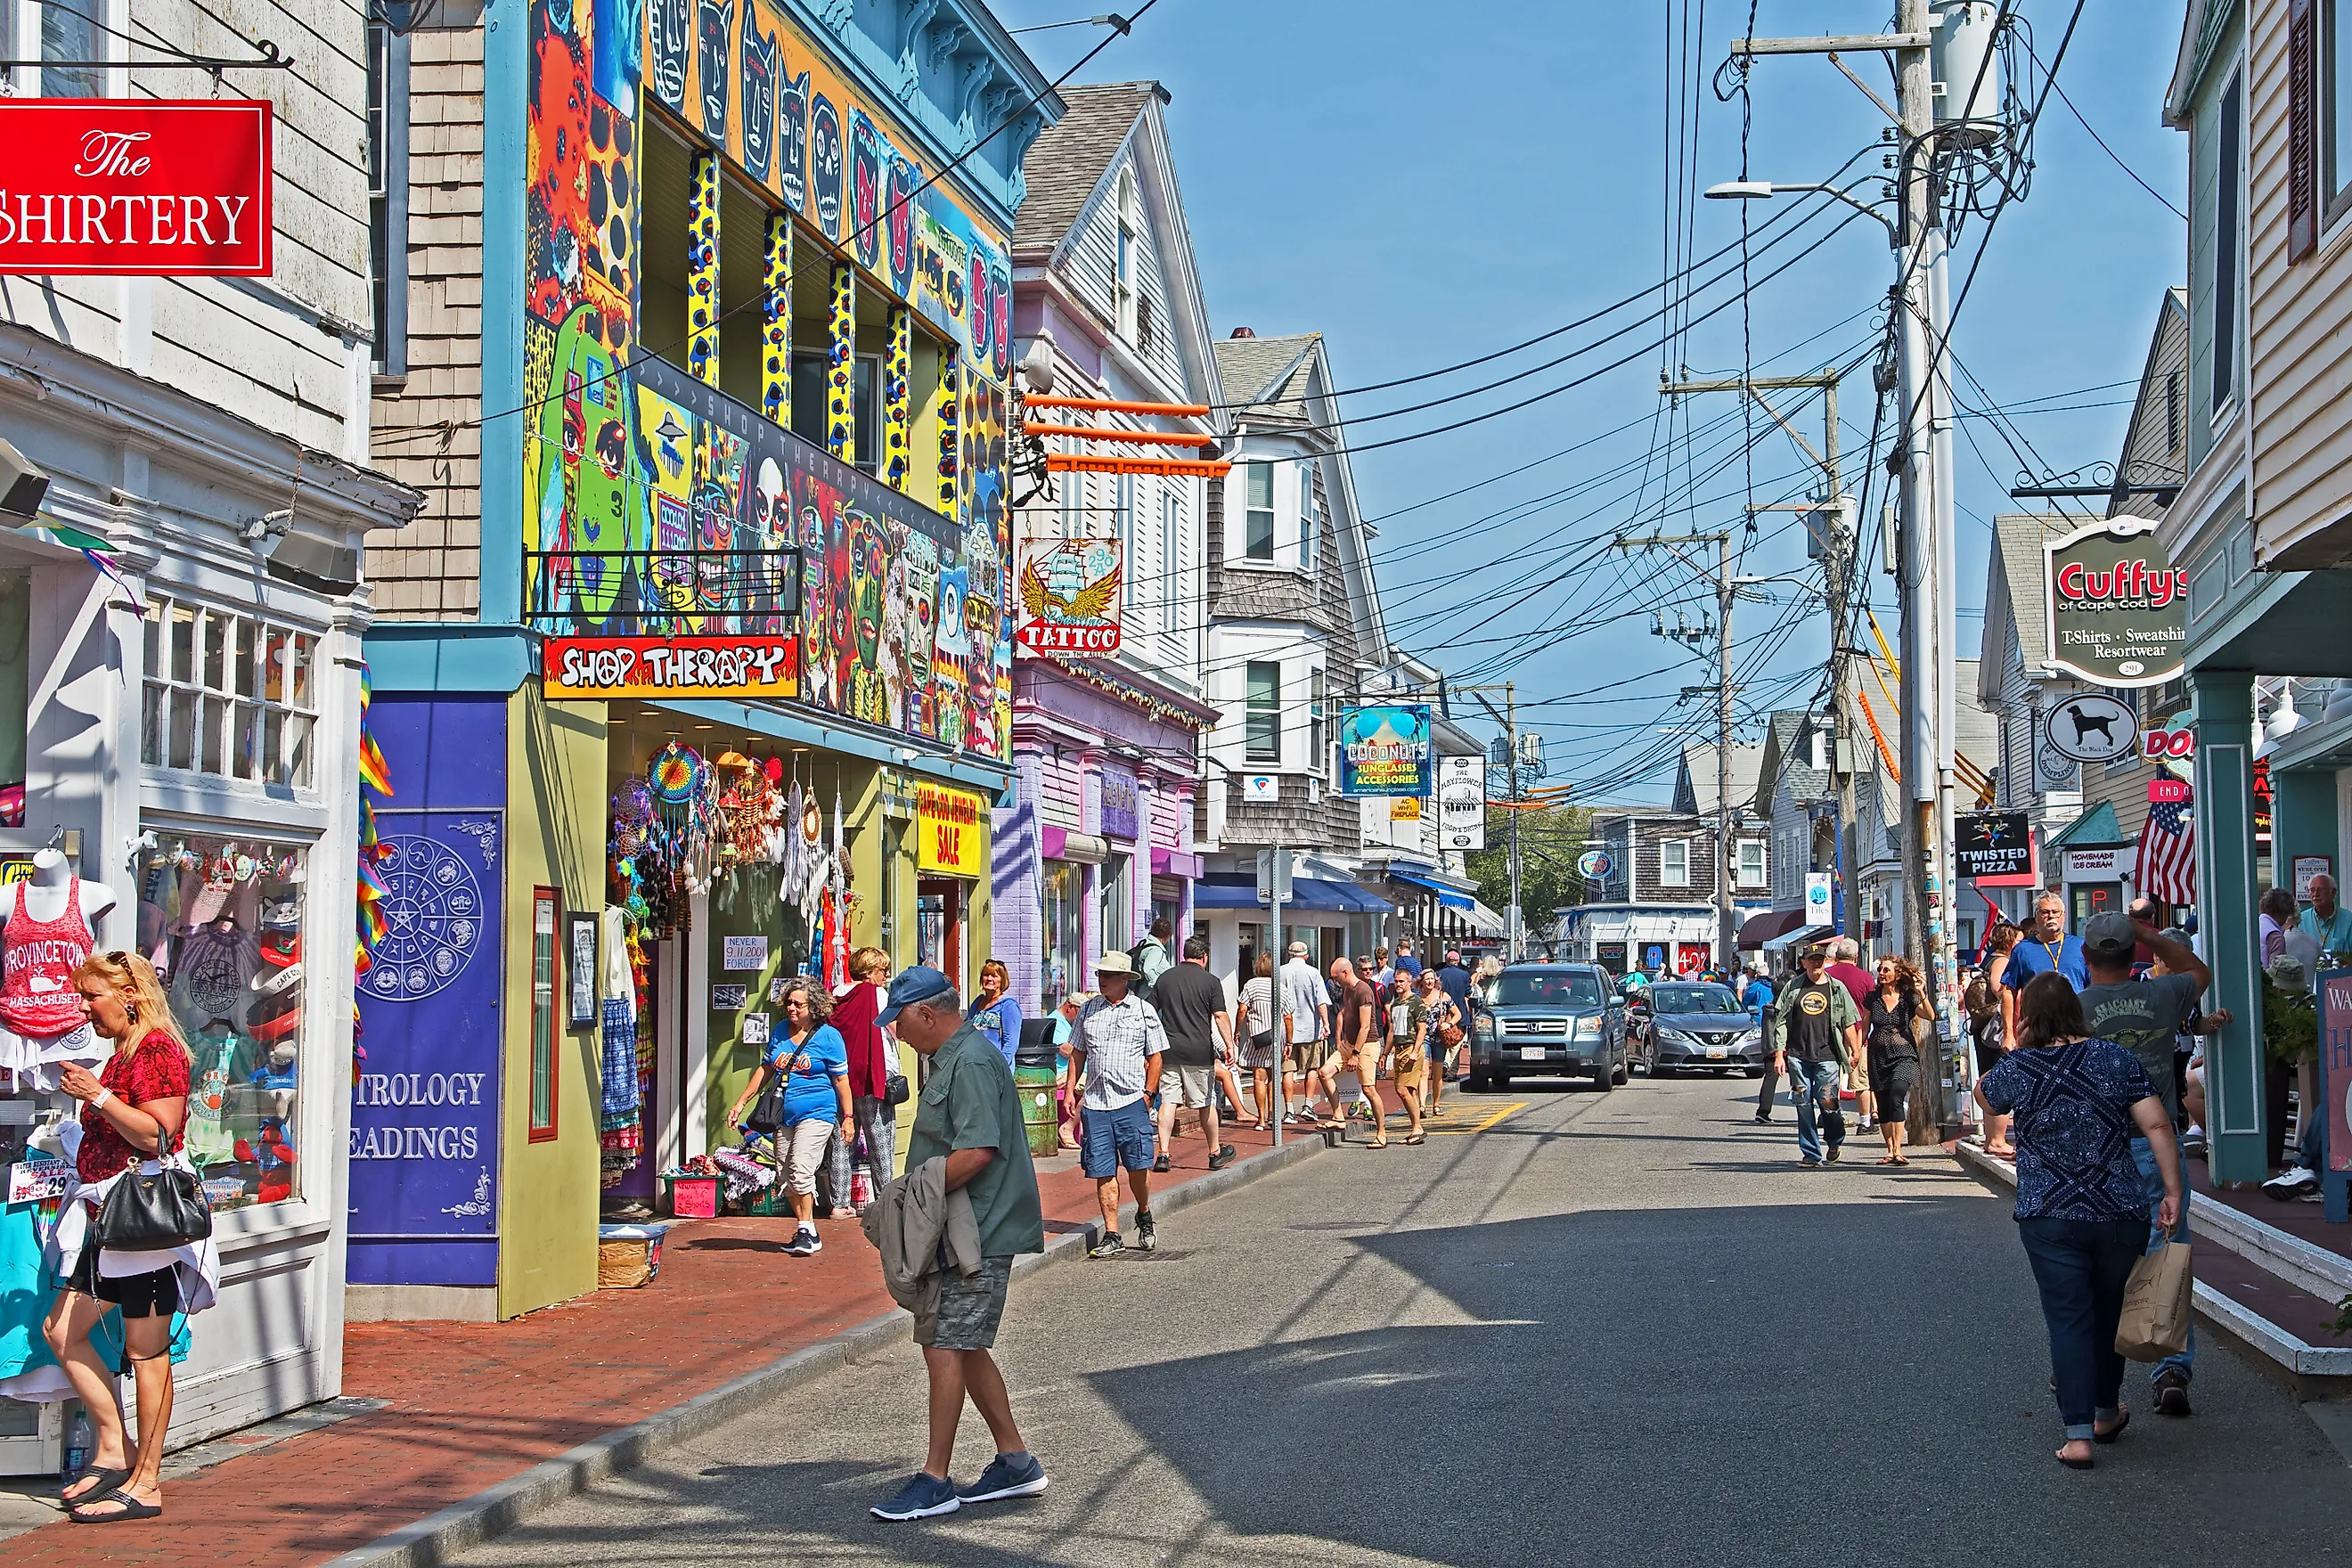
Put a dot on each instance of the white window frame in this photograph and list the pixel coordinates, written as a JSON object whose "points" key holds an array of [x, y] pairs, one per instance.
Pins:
{"points": [[2228, 131], [1249, 474], [2334, 45], [1172, 593], [1668, 877], [1252, 711], [1319, 729], [26, 82], [197, 709], [1763, 877], [1309, 533], [387, 157], [1128, 219]]}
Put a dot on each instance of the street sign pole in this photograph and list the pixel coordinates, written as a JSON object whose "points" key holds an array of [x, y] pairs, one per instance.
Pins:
{"points": [[1273, 883]]}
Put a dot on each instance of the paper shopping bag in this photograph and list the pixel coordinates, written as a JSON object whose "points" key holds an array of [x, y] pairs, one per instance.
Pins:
{"points": [[2157, 1305]]}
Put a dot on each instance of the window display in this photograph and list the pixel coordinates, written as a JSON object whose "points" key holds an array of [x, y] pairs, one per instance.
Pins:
{"points": [[1065, 906], [221, 919]]}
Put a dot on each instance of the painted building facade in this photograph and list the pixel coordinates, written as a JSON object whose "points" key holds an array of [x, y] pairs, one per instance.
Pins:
{"points": [[698, 324], [1099, 842], [181, 656]]}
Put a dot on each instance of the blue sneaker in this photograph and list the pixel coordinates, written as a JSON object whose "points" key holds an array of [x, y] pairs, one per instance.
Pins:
{"points": [[923, 1497], [1005, 1479]]}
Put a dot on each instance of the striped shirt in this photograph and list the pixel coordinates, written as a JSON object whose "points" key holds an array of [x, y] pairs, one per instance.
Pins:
{"points": [[1118, 1037]]}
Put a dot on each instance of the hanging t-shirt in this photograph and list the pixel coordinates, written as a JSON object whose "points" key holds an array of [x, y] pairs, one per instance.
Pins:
{"points": [[224, 1058], [811, 1067]]}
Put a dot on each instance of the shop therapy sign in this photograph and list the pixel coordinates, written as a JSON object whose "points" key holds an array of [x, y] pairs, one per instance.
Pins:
{"points": [[2116, 602], [746, 666], [156, 189]]}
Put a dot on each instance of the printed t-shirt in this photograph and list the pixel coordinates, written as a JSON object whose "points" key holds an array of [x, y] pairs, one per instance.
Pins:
{"points": [[2143, 1016], [2073, 1128], [809, 1094], [156, 1069], [1190, 998], [1813, 1029]]}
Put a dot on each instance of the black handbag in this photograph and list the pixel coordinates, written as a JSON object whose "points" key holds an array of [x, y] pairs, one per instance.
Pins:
{"points": [[768, 1111], [152, 1212], [895, 1089]]}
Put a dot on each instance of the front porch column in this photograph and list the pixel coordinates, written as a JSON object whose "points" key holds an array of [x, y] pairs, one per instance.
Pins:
{"points": [[2224, 704]]}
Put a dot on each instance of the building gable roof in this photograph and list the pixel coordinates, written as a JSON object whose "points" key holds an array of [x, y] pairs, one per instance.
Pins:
{"points": [[2014, 613], [1694, 784], [2168, 355], [1067, 164]]}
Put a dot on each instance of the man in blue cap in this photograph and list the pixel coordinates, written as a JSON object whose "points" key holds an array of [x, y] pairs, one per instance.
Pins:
{"points": [[969, 1114]]}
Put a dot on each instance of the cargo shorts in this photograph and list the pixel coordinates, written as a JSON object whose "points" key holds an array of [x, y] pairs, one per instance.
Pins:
{"points": [[969, 1310]]}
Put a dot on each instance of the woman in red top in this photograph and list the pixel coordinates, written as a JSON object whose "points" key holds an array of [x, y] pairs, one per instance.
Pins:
{"points": [[877, 1118], [133, 1106]]}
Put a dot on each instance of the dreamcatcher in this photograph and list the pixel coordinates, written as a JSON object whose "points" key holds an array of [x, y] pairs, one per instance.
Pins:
{"points": [[685, 806], [633, 818], [747, 802]]}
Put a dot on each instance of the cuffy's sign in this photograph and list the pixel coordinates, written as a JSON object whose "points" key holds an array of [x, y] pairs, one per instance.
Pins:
{"points": [[2117, 606], [135, 188]]}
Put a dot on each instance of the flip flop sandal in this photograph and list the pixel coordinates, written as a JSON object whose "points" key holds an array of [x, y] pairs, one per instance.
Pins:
{"points": [[2114, 1432], [1902, 1160], [107, 1481], [1416, 1138], [1894, 1161], [132, 1509]]}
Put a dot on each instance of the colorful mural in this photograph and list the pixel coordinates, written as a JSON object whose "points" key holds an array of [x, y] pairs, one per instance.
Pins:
{"points": [[745, 74], [653, 503]]}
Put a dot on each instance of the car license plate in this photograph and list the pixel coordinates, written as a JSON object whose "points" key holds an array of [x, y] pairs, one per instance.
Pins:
{"points": [[1531, 1053], [1715, 1052]]}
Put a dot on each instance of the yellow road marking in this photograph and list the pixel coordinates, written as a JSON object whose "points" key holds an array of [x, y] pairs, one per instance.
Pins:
{"points": [[1465, 1132]]}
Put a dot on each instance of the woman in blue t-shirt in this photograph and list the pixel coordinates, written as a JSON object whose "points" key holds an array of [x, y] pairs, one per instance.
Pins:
{"points": [[815, 1061], [994, 1012]]}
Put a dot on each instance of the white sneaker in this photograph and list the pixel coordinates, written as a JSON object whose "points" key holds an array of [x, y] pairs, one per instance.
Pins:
{"points": [[2293, 1183]]}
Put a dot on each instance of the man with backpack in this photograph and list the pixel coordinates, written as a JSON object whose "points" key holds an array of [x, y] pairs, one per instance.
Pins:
{"points": [[1151, 958]]}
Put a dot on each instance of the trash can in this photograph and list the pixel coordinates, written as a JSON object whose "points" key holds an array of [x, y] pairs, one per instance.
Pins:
{"points": [[1034, 1063]]}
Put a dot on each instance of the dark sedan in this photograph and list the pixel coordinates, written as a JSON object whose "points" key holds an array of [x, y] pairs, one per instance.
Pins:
{"points": [[1698, 1026]]}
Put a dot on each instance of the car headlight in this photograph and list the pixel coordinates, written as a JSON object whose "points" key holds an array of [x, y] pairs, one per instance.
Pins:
{"points": [[1482, 1024], [1585, 1028], [1675, 1036]]}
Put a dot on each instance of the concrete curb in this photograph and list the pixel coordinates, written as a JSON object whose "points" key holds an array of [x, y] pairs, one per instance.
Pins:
{"points": [[2309, 1372], [434, 1540]]}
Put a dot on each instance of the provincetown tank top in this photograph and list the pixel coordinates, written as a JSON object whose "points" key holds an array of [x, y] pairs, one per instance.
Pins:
{"points": [[37, 988]]}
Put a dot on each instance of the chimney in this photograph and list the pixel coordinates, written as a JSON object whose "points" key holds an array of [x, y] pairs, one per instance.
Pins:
{"points": [[1244, 332]]}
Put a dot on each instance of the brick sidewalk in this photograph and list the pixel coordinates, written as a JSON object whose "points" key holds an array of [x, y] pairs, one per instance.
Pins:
{"points": [[473, 1405]]}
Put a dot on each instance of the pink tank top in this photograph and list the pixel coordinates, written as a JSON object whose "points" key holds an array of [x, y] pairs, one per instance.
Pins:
{"points": [[37, 993]]}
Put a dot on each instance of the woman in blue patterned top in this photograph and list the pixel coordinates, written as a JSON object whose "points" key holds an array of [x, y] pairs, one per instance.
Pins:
{"points": [[2081, 1210]]}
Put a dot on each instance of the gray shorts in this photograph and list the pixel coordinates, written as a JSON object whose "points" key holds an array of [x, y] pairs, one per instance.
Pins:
{"points": [[969, 1309], [1187, 1088]]}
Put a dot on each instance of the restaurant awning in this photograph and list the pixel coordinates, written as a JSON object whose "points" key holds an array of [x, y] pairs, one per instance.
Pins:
{"points": [[1802, 934], [1446, 896], [1756, 929]]}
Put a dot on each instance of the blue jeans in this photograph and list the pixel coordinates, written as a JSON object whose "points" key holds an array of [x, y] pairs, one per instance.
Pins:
{"points": [[2081, 1267], [1814, 1086], [2152, 1182]]}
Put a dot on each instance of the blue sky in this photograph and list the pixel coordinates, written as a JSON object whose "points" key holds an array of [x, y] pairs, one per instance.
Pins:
{"points": [[1423, 194]]}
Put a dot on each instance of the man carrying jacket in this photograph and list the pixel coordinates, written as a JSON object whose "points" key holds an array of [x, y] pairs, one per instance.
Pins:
{"points": [[1816, 1032], [969, 1114]]}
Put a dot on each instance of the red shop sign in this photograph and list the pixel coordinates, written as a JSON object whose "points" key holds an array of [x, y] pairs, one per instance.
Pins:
{"points": [[748, 665], [124, 188]]}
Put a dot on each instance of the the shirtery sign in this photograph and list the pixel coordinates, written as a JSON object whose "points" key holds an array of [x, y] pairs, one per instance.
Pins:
{"points": [[125, 188]]}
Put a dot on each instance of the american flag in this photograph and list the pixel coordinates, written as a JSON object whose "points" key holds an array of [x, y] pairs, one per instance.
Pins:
{"points": [[2168, 853]]}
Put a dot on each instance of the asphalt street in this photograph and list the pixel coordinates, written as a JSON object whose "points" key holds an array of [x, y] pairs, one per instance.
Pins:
{"points": [[1604, 1329]]}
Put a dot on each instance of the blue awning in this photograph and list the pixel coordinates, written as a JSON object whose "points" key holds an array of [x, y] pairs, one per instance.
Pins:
{"points": [[1238, 891], [1446, 896]]}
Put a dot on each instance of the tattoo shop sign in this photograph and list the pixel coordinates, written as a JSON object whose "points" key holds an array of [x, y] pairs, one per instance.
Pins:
{"points": [[129, 188], [2116, 606]]}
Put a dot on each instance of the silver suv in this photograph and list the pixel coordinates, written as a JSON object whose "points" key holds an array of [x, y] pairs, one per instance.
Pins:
{"points": [[1557, 1019]]}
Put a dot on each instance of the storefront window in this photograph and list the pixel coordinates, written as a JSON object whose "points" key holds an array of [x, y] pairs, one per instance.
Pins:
{"points": [[1064, 929], [1116, 919], [228, 694], [543, 1013], [221, 919]]}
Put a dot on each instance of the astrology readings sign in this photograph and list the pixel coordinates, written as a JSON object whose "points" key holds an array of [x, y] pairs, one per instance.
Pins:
{"points": [[745, 666], [135, 188]]}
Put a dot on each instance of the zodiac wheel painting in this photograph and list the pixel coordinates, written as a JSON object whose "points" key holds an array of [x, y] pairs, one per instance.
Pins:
{"points": [[434, 915]]}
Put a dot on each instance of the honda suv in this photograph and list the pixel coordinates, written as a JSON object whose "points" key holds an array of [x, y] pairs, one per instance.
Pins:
{"points": [[1556, 1019]]}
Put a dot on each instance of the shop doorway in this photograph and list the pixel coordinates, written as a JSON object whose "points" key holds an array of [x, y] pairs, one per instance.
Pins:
{"points": [[2088, 898], [940, 926]]}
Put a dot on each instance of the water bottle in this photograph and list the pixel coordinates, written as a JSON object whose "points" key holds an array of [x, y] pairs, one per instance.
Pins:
{"points": [[78, 1439]]}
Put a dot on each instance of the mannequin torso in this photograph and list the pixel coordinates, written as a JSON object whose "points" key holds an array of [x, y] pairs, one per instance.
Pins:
{"points": [[46, 892]]}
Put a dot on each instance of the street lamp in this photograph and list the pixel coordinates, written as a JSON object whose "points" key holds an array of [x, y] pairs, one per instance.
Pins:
{"points": [[1765, 190]]}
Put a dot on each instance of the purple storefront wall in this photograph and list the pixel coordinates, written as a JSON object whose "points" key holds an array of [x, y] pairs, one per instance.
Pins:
{"points": [[1063, 733]]}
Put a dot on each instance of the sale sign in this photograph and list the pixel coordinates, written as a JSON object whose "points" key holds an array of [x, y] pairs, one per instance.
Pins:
{"points": [[124, 187], [952, 830], [572, 668]]}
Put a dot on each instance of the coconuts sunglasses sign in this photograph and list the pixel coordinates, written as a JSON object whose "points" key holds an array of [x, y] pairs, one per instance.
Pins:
{"points": [[2117, 611], [123, 188]]}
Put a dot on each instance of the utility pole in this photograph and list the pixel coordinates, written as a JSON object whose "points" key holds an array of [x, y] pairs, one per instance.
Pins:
{"points": [[1727, 590], [1836, 534], [1514, 923], [1925, 580]]}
